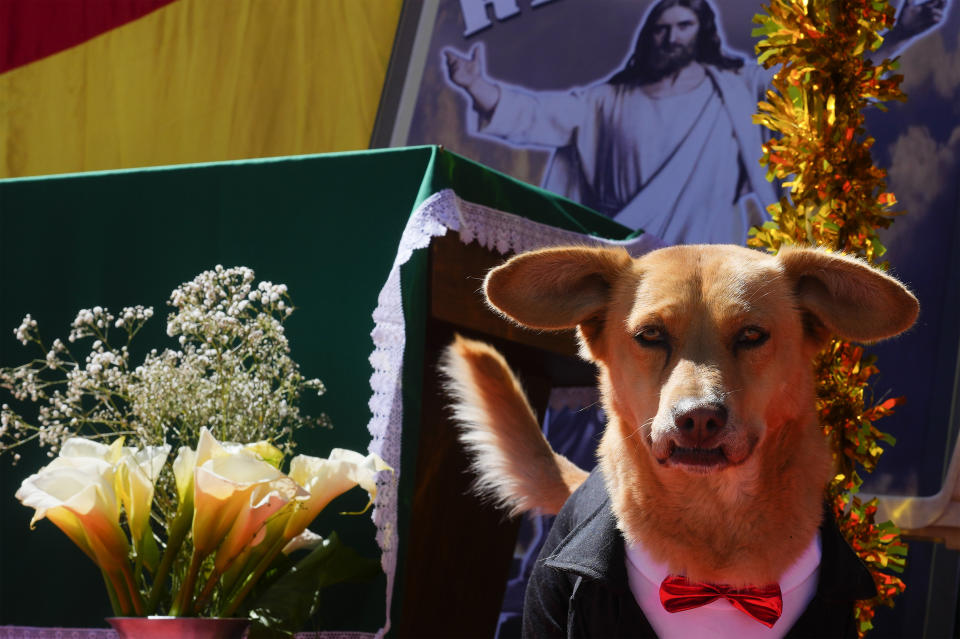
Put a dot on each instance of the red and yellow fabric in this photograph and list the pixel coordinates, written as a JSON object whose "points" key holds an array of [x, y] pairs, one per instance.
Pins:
{"points": [[107, 84]]}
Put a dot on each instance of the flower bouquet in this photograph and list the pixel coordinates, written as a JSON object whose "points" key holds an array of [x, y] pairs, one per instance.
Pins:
{"points": [[168, 475]]}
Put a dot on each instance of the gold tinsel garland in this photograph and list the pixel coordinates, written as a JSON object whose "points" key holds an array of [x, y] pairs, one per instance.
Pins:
{"points": [[838, 199]]}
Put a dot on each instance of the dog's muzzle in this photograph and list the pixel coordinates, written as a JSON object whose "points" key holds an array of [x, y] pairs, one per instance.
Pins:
{"points": [[696, 438]]}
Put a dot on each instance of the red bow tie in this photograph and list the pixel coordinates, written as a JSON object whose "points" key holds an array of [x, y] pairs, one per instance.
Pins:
{"points": [[763, 604]]}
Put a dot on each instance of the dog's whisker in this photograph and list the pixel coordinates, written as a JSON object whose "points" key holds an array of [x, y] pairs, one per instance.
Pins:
{"points": [[729, 393], [590, 406], [638, 431]]}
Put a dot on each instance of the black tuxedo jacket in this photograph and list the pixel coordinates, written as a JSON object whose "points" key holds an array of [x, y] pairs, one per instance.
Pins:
{"points": [[579, 586]]}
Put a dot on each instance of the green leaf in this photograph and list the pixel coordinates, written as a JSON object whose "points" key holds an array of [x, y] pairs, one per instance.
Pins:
{"points": [[150, 551], [293, 598]]}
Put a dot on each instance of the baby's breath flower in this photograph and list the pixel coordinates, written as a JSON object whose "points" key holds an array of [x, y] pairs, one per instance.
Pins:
{"points": [[27, 330], [232, 373]]}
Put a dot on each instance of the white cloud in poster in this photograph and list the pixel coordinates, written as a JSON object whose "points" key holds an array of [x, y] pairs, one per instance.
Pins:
{"points": [[921, 167], [924, 162], [928, 63]]}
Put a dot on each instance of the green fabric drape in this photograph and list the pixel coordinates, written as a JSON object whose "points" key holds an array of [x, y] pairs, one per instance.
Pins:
{"points": [[326, 225]]}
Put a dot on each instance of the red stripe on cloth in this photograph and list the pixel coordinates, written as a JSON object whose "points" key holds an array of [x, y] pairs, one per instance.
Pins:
{"points": [[34, 29]]}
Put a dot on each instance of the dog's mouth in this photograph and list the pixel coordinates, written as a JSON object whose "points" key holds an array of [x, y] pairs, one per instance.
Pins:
{"points": [[700, 460], [714, 456]]}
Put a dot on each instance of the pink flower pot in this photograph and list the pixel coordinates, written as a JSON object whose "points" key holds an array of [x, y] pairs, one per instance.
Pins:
{"points": [[178, 627]]}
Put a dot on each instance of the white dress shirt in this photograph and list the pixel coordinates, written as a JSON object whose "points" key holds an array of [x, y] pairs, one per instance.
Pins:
{"points": [[719, 618]]}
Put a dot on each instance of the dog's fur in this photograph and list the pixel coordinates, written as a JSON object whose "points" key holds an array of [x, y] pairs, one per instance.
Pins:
{"points": [[712, 454]]}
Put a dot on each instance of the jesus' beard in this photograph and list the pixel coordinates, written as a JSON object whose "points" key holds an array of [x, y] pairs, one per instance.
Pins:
{"points": [[670, 58]]}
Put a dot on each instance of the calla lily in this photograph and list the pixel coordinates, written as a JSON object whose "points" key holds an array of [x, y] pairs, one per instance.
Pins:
{"points": [[234, 497], [365, 469], [320, 481], [77, 495], [267, 452], [325, 479], [235, 492], [183, 467], [135, 473], [307, 540], [80, 447]]}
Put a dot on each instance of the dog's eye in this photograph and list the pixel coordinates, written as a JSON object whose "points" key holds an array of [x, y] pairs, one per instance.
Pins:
{"points": [[651, 336], [751, 337]]}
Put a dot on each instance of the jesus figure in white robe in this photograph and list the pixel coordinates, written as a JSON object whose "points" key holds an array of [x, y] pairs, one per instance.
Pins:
{"points": [[667, 144]]}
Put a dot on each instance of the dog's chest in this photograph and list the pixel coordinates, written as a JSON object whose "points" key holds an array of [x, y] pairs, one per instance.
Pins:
{"points": [[719, 618]]}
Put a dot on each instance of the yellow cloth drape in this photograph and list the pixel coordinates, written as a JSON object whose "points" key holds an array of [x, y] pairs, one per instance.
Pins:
{"points": [[202, 80]]}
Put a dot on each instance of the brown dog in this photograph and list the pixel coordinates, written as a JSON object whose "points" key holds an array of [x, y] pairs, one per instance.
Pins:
{"points": [[712, 455]]}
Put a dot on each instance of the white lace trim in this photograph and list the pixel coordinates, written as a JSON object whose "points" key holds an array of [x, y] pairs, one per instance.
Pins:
{"points": [[493, 229]]}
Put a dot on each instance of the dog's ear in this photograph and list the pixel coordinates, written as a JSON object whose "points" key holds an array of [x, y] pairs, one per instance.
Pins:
{"points": [[847, 297], [555, 288]]}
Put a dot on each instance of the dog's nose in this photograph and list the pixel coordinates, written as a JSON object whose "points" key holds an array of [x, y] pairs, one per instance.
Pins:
{"points": [[699, 423]]}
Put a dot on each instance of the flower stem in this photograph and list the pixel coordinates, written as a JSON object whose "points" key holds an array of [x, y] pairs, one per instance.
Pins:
{"points": [[121, 592], [185, 597], [239, 569], [206, 592], [114, 602], [262, 566], [135, 596], [178, 532]]}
